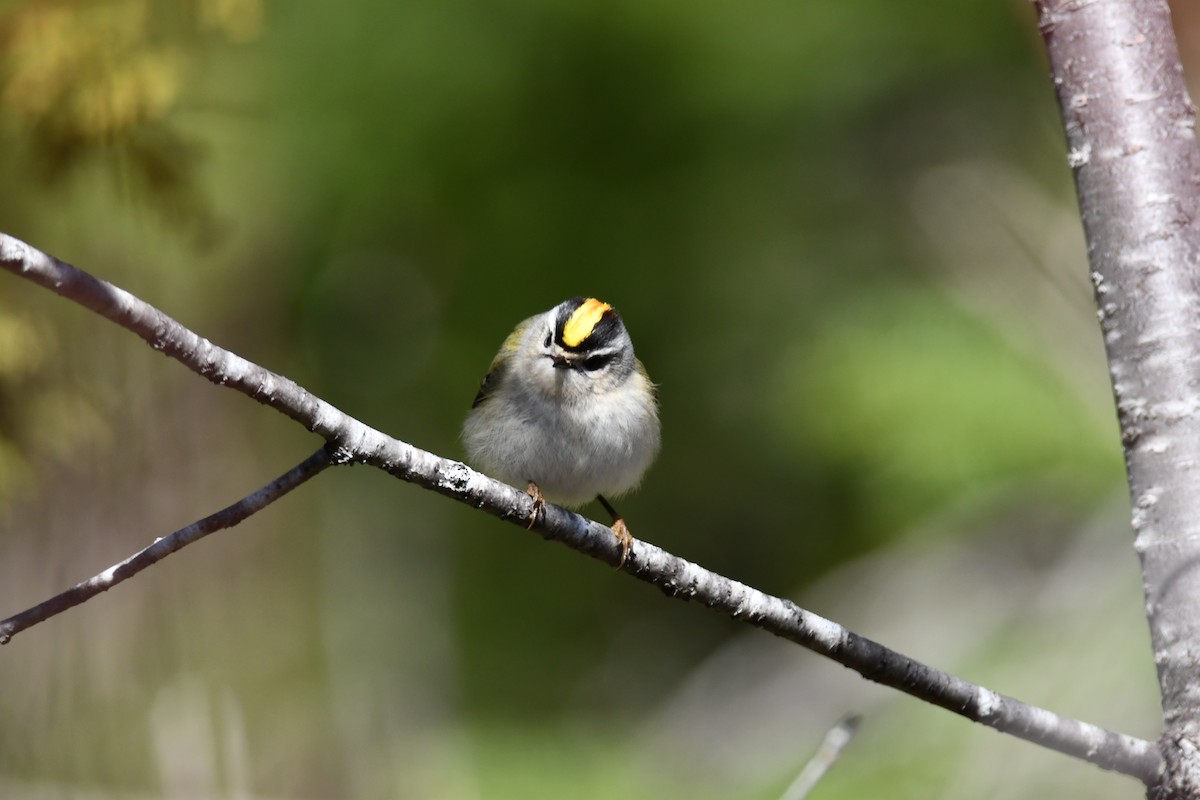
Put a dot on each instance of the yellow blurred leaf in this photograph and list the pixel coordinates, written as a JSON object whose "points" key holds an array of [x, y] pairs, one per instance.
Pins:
{"points": [[23, 347], [239, 20], [62, 422], [88, 71]]}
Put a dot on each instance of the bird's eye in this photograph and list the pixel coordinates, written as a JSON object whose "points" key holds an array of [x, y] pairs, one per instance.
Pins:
{"points": [[593, 363], [547, 342]]}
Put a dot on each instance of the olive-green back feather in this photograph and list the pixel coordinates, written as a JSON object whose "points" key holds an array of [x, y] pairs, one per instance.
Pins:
{"points": [[500, 363]]}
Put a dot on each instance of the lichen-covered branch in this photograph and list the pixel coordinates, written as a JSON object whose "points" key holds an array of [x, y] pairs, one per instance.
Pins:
{"points": [[677, 577], [1131, 142]]}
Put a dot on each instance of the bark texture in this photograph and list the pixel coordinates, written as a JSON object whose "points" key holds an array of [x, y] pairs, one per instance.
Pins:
{"points": [[1131, 143]]}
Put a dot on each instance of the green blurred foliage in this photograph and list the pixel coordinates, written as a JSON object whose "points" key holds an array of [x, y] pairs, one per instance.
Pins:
{"points": [[853, 351], [913, 401]]}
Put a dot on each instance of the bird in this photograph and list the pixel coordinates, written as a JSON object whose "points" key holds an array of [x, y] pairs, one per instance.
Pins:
{"points": [[568, 410]]}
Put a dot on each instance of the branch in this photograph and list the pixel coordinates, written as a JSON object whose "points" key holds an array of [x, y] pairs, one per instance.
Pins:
{"points": [[1131, 142], [675, 576], [827, 754], [163, 547]]}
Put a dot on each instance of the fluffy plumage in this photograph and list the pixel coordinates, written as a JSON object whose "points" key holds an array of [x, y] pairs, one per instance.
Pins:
{"points": [[578, 421]]}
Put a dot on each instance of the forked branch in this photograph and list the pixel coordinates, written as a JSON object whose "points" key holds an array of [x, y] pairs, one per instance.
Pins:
{"points": [[677, 577]]}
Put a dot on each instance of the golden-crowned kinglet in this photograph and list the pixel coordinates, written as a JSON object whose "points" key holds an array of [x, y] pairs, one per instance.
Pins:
{"points": [[567, 408]]}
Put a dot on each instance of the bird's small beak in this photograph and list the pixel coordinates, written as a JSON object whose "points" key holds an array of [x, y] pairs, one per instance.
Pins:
{"points": [[561, 362]]}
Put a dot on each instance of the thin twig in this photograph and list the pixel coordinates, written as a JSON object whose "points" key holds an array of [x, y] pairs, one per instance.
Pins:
{"points": [[827, 754], [163, 547], [675, 576]]}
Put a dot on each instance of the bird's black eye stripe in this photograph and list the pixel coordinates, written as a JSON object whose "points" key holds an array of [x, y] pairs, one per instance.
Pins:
{"points": [[593, 363]]}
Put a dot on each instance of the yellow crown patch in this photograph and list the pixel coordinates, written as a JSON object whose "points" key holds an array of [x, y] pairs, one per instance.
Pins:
{"points": [[581, 323]]}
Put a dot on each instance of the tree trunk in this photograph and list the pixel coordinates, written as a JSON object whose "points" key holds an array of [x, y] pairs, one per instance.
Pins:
{"points": [[1131, 143]]}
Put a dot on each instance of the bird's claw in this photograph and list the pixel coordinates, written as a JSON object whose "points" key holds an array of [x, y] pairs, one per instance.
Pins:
{"points": [[624, 539], [539, 504]]}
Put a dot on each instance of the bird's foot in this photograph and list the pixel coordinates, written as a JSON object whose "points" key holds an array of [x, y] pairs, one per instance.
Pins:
{"points": [[624, 539], [619, 529], [539, 504]]}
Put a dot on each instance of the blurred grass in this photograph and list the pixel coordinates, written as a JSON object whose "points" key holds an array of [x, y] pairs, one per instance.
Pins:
{"points": [[843, 238]]}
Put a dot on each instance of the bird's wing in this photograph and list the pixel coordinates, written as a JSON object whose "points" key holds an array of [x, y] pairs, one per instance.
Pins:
{"points": [[500, 363]]}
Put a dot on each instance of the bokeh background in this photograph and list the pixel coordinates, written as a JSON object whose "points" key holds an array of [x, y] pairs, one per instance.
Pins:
{"points": [[844, 238]]}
